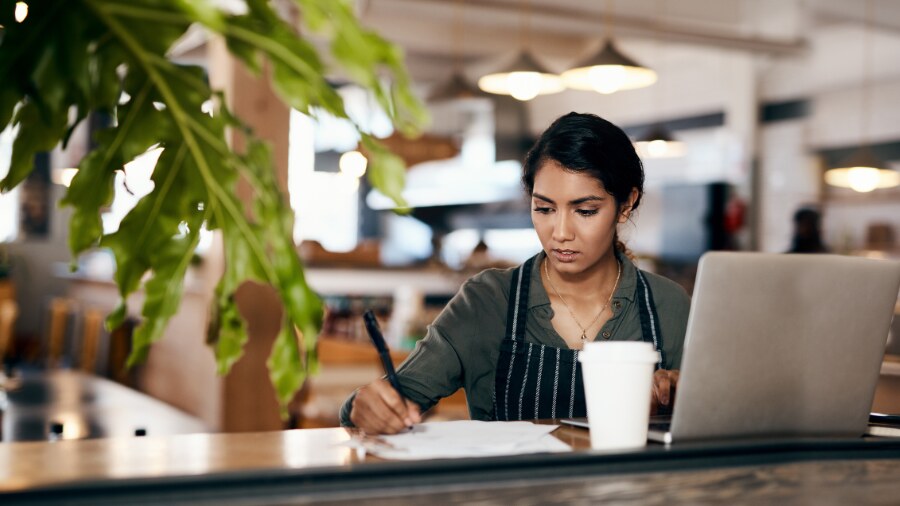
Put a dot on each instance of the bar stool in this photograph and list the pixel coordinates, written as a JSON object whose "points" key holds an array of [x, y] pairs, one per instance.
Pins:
{"points": [[75, 335], [90, 339], [119, 350], [60, 309], [9, 310]]}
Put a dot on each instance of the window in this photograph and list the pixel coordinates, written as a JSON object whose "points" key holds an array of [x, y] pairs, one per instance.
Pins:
{"points": [[131, 185], [9, 202], [324, 198]]}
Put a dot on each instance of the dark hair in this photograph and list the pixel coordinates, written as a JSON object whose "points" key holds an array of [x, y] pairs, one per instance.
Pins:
{"points": [[808, 215], [586, 143]]}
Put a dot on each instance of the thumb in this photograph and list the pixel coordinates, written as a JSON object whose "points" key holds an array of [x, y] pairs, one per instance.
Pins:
{"points": [[413, 409]]}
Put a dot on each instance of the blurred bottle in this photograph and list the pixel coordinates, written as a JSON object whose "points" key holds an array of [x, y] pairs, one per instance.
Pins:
{"points": [[409, 304], [55, 431]]}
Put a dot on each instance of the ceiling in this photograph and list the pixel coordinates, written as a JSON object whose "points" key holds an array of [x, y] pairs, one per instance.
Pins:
{"points": [[481, 35], [710, 55]]}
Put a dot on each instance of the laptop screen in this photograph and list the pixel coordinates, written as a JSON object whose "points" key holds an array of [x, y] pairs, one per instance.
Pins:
{"points": [[783, 345]]}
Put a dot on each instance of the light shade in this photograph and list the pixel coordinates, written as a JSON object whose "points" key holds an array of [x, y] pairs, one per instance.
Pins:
{"points": [[524, 79], [608, 71], [862, 172], [455, 88], [658, 142]]}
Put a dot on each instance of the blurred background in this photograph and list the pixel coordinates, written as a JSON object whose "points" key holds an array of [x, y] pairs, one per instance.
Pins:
{"points": [[765, 125]]}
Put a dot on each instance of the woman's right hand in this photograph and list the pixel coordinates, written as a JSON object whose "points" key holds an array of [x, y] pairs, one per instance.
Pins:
{"points": [[379, 409], [663, 390]]}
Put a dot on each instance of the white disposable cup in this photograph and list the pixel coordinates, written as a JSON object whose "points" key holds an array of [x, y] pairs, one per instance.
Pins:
{"points": [[618, 377]]}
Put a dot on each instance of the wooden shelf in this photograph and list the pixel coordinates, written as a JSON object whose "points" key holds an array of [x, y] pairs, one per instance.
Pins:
{"points": [[344, 367], [336, 351], [7, 290], [346, 281]]}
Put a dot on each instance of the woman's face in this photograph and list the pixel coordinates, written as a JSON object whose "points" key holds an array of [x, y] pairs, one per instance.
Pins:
{"points": [[575, 218]]}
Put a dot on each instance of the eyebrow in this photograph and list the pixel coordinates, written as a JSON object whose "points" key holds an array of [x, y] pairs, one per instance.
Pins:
{"points": [[575, 202]]}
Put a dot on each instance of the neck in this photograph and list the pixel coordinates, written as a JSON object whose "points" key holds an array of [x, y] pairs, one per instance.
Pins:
{"points": [[586, 283]]}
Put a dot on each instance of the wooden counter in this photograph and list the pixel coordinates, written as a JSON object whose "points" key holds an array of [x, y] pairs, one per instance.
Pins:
{"points": [[84, 406], [315, 466]]}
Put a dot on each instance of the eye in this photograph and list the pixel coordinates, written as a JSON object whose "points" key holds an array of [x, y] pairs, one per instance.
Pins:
{"points": [[586, 212], [542, 210]]}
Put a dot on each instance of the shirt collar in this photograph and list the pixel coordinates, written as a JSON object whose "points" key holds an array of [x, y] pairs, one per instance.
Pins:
{"points": [[537, 295]]}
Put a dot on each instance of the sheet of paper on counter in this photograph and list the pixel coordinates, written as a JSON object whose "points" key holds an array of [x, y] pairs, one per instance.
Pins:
{"points": [[466, 438]]}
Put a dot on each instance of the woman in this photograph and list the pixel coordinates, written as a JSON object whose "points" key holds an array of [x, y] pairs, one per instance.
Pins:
{"points": [[511, 337], [807, 232]]}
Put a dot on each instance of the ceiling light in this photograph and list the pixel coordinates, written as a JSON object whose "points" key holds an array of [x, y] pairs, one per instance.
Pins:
{"points": [[608, 71], [457, 87], [524, 79], [658, 142], [21, 11], [863, 173]]}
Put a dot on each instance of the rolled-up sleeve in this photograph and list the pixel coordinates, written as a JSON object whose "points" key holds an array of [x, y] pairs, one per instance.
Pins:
{"points": [[432, 371], [453, 347]]}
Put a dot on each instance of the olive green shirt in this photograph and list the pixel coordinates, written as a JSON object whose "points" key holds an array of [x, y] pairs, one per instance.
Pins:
{"points": [[461, 347]]}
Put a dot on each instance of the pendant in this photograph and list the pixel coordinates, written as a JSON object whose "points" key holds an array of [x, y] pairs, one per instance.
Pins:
{"points": [[583, 336]]}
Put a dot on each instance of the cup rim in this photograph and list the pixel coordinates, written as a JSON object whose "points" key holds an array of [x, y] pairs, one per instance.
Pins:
{"points": [[619, 351]]}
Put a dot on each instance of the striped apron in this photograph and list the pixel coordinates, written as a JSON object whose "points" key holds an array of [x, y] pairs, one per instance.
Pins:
{"points": [[534, 381]]}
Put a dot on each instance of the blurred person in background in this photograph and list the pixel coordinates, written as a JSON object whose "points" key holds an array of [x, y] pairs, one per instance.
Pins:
{"points": [[807, 232]]}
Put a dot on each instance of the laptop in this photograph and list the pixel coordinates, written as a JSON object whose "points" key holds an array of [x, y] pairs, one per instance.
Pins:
{"points": [[782, 345]]}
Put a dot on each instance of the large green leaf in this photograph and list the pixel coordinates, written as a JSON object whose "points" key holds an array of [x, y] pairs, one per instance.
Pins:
{"points": [[71, 58]]}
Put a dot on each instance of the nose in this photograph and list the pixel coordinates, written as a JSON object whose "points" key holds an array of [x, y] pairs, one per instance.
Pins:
{"points": [[562, 228]]}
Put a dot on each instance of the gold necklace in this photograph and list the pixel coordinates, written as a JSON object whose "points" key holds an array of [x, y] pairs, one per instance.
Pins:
{"points": [[572, 313]]}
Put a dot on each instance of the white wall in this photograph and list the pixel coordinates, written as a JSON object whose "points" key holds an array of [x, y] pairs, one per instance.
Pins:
{"points": [[33, 260], [791, 178], [830, 75], [838, 121]]}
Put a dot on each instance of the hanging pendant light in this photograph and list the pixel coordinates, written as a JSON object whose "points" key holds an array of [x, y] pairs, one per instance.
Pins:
{"points": [[659, 142], [524, 79], [457, 87], [608, 71], [863, 171]]}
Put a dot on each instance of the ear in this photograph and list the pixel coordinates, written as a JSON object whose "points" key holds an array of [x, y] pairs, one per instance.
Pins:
{"points": [[627, 206]]}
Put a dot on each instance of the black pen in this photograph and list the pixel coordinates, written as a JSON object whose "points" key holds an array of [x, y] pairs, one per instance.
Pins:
{"points": [[381, 346]]}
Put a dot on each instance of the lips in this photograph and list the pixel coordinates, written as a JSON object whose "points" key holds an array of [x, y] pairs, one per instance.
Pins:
{"points": [[565, 255]]}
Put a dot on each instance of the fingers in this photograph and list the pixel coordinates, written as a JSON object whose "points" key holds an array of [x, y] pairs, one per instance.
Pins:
{"points": [[664, 382], [661, 386], [412, 412], [379, 409]]}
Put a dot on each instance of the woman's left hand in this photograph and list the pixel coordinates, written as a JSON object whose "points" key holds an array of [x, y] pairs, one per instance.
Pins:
{"points": [[664, 382]]}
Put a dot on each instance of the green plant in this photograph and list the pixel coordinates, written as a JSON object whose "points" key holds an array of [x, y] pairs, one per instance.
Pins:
{"points": [[69, 58]]}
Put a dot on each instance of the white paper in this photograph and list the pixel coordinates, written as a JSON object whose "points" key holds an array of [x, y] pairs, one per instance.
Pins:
{"points": [[466, 438]]}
